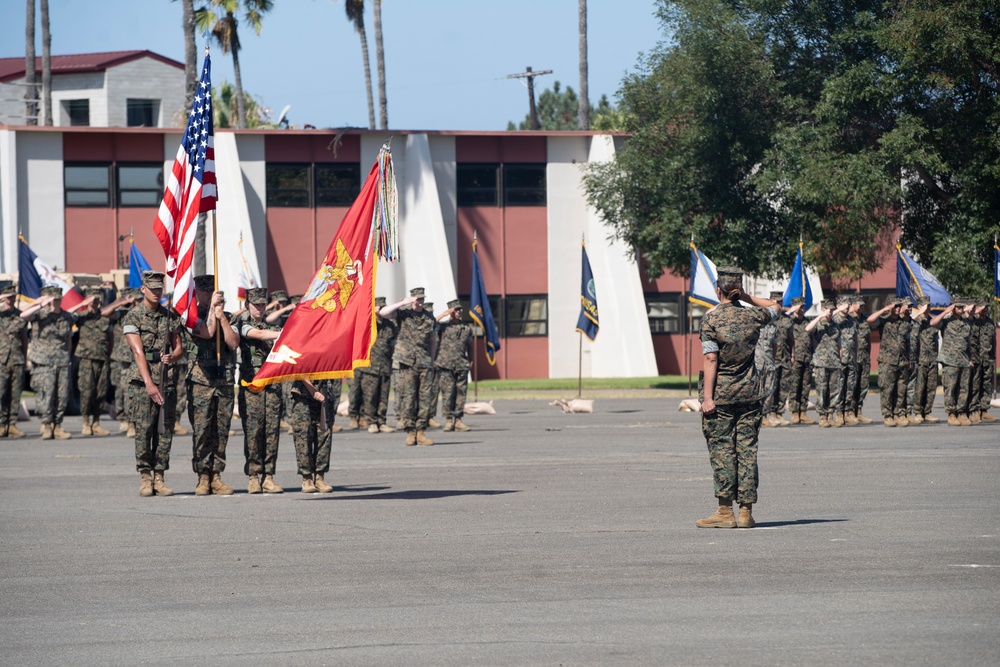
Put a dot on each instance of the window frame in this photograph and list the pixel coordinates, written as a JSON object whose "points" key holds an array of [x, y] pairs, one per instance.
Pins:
{"points": [[541, 191], [511, 323], [67, 191], [349, 194], [68, 108], [154, 111], [309, 185], [157, 193], [462, 194], [679, 320]]}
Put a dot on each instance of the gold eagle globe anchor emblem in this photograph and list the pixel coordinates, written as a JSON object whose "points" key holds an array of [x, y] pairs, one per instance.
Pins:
{"points": [[335, 284]]}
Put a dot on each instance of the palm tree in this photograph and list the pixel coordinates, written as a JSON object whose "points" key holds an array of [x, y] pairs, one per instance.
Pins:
{"points": [[46, 64], [356, 14], [383, 109], [584, 112], [30, 91], [219, 18], [190, 56]]}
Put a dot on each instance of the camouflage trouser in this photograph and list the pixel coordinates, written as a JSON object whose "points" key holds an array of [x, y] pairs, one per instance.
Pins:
{"points": [[780, 391], [354, 398], [51, 384], [435, 393], [827, 389], [152, 448], [975, 386], [11, 384], [767, 382], [911, 389], [454, 386], [799, 382], [119, 377], [286, 399], [312, 443], [848, 380], [210, 410], [956, 389], [332, 390], [892, 389], [731, 434], [261, 416], [397, 382], [861, 382], [375, 394], [92, 381], [416, 385], [182, 397], [925, 388], [986, 392]]}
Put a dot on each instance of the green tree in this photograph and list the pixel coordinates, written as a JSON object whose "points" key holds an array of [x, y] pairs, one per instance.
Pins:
{"points": [[224, 113], [559, 109], [761, 121], [219, 18]]}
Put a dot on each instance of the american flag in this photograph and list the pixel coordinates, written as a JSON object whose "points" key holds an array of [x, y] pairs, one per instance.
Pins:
{"points": [[191, 189]]}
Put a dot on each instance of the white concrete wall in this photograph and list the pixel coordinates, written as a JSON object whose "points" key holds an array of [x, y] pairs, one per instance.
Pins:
{"points": [[146, 78], [390, 279], [8, 201], [443, 156], [40, 195], [12, 102], [86, 86], [254, 167]]}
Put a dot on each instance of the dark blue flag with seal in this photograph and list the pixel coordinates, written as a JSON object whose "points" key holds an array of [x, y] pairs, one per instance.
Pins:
{"points": [[479, 309], [914, 281], [589, 322], [996, 272], [136, 265]]}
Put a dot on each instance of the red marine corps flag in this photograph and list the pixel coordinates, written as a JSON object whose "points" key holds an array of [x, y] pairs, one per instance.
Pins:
{"points": [[331, 330]]}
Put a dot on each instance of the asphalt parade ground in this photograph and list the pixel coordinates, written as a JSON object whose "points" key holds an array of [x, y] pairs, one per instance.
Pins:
{"points": [[538, 538]]}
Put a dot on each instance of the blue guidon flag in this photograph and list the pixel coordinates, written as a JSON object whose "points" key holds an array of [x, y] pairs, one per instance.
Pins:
{"points": [[479, 308], [703, 277], [798, 284], [589, 322], [996, 271], [914, 281]]}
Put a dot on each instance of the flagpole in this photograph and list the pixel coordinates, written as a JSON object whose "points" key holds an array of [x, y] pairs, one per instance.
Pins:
{"points": [[579, 370], [215, 273]]}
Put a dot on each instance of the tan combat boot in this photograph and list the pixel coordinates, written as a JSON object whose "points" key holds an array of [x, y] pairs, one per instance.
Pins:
{"points": [[983, 416], [411, 437], [373, 428], [723, 517], [336, 428], [253, 484], [781, 419], [220, 488], [823, 423], [385, 428], [953, 420], [285, 425], [916, 418], [963, 419], [974, 417], [307, 484], [86, 430], [146, 486], [765, 422], [123, 427], [433, 423], [59, 433], [353, 424], [850, 419], [901, 420], [806, 419], [203, 488], [131, 430], [423, 439], [97, 429], [889, 421], [931, 420], [461, 426], [14, 432], [46, 431], [449, 425], [180, 430], [362, 423], [838, 419], [861, 417], [270, 486], [796, 419], [745, 519], [159, 487], [911, 419], [321, 485]]}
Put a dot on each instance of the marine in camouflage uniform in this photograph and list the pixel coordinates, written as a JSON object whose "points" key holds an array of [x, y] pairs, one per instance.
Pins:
{"points": [[311, 434], [435, 381], [278, 312], [332, 389], [414, 353], [924, 338], [826, 363], [260, 411], [892, 355], [907, 362], [374, 379], [764, 361], [122, 359], [355, 400], [987, 353], [783, 345], [92, 351], [954, 358], [51, 335], [152, 334], [210, 381], [848, 326], [731, 397], [800, 378], [979, 349], [864, 366], [13, 344], [452, 364]]}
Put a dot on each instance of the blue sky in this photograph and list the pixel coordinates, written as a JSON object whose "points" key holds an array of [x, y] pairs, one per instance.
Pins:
{"points": [[445, 59]]}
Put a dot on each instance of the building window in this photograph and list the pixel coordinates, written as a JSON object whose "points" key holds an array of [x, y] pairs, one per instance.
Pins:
{"points": [[141, 113], [524, 184], [494, 308], [288, 185], [664, 312], [476, 184], [337, 185], [697, 313], [140, 184], [77, 112], [87, 184], [527, 316]]}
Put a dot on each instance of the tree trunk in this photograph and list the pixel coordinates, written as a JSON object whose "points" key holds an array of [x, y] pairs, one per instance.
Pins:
{"points": [[368, 79], [584, 111], [30, 91], [241, 104], [190, 58], [46, 64], [383, 108]]}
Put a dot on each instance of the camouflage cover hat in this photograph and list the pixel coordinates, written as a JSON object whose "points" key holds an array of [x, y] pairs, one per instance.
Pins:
{"points": [[380, 302], [205, 283], [729, 274], [923, 301], [799, 301], [132, 293], [455, 303], [257, 296], [857, 298], [417, 292], [152, 279], [94, 290], [429, 306], [844, 298], [9, 290], [828, 304], [52, 290], [279, 295], [295, 298]]}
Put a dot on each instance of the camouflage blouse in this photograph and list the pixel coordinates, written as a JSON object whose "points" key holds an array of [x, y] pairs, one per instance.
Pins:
{"points": [[732, 332], [92, 342], [802, 349], [50, 337], [154, 328], [453, 346], [11, 345], [827, 351], [955, 332], [381, 355], [413, 344]]}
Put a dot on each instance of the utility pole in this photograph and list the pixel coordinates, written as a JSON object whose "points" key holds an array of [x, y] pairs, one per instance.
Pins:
{"points": [[530, 76]]}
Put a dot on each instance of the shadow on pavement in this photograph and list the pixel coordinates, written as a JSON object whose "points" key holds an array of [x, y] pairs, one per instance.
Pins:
{"points": [[797, 522], [426, 495]]}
